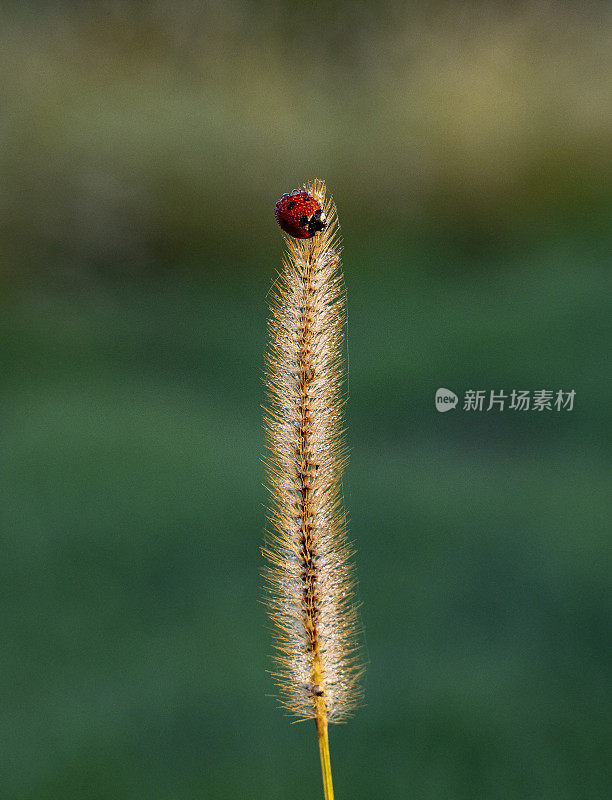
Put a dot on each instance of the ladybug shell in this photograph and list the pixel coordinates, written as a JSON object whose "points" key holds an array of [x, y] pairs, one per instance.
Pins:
{"points": [[300, 215]]}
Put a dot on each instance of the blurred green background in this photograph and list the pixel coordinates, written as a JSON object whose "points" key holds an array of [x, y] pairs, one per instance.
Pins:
{"points": [[143, 145]]}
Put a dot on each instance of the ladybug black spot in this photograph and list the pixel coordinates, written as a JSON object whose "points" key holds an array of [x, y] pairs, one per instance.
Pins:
{"points": [[291, 204], [303, 221]]}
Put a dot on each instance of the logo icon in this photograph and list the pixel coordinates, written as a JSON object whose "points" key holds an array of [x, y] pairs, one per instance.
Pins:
{"points": [[445, 399]]}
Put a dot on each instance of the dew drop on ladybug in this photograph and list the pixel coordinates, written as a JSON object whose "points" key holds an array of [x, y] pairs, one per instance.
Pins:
{"points": [[300, 215]]}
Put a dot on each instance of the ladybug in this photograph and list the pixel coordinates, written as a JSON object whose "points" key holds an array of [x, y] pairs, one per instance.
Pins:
{"points": [[300, 215]]}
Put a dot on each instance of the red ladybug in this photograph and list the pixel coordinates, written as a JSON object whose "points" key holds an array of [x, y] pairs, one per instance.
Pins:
{"points": [[300, 215]]}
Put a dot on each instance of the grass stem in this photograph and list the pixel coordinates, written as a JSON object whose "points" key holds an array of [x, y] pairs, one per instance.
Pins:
{"points": [[321, 722], [310, 578]]}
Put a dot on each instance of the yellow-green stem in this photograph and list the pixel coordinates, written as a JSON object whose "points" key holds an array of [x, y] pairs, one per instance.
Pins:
{"points": [[321, 721]]}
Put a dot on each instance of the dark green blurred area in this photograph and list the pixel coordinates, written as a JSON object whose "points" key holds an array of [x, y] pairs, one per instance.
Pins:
{"points": [[143, 147]]}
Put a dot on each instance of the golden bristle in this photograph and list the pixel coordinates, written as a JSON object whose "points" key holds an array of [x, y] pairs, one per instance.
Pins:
{"points": [[309, 574]]}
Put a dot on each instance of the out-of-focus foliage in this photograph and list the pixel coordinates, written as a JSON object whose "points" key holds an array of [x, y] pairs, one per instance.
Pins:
{"points": [[139, 132], [142, 148]]}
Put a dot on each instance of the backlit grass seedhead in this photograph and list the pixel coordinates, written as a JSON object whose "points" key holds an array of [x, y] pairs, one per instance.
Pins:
{"points": [[309, 574]]}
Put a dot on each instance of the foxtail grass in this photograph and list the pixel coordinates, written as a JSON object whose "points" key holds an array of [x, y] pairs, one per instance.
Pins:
{"points": [[309, 574]]}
